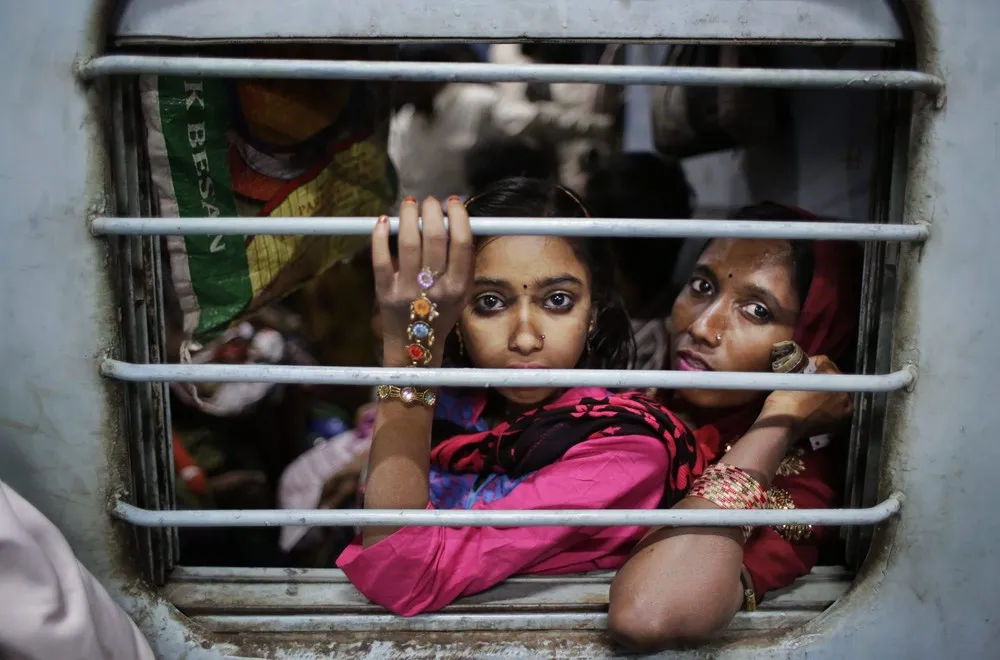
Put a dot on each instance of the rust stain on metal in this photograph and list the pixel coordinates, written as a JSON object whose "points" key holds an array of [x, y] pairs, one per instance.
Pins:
{"points": [[553, 644], [556, 644]]}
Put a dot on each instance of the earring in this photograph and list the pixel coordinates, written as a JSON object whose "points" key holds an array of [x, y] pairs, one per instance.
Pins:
{"points": [[590, 336], [461, 344]]}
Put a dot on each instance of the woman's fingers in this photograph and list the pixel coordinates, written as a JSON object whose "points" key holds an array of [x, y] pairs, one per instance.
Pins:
{"points": [[435, 239], [840, 404], [410, 252], [460, 250], [382, 258], [822, 364]]}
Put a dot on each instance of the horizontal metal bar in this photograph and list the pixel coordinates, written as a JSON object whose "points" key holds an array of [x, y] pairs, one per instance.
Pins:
{"points": [[615, 379], [225, 67], [607, 227], [463, 518]]}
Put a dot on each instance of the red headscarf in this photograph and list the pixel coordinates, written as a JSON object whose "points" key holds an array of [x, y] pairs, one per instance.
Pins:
{"points": [[827, 325]]}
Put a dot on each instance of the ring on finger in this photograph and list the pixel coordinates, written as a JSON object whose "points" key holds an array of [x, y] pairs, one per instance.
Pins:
{"points": [[426, 278], [423, 311]]}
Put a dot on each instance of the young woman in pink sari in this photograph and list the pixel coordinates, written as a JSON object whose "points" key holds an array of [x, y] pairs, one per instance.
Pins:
{"points": [[508, 302]]}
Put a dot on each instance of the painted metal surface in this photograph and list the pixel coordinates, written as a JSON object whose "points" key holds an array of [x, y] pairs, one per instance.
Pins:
{"points": [[610, 227], [507, 518], [923, 591], [62, 442], [168, 21], [232, 67]]}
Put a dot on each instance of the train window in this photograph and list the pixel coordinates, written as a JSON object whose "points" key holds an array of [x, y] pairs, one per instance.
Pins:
{"points": [[206, 161]]}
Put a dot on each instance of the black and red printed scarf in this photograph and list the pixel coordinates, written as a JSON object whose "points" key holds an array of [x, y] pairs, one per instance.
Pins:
{"points": [[542, 436]]}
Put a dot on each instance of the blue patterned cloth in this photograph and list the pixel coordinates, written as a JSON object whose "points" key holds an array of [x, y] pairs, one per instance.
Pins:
{"points": [[458, 491], [461, 410]]}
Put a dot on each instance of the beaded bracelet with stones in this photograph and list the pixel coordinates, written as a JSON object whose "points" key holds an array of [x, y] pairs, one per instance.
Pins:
{"points": [[408, 395]]}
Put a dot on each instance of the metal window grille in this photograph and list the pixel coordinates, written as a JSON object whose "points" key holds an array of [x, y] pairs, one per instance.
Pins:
{"points": [[142, 369], [138, 260]]}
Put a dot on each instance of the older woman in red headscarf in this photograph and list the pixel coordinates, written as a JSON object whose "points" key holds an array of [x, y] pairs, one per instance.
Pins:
{"points": [[683, 585]]}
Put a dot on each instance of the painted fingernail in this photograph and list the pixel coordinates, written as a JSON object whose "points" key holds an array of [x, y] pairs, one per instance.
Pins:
{"points": [[454, 198], [410, 199]]}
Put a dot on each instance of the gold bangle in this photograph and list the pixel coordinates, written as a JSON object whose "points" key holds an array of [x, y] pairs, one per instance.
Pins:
{"points": [[749, 593], [410, 396]]}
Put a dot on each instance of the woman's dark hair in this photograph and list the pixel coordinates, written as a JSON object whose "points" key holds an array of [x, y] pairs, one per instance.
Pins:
{"points": [[611, 345], [639, 185], [503, 158], [803, 253], [642, 185]]}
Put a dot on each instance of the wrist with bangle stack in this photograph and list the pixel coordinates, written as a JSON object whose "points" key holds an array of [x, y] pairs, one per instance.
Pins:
{"points": [[729, 487]]}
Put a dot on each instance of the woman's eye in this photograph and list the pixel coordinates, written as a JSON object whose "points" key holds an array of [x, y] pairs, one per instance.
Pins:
{"points": [[700, 286], [488, 303], [758, 312], [559, 301]]}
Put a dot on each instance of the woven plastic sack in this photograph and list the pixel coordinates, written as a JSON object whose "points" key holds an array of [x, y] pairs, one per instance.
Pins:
{"points": [[279, 148]]}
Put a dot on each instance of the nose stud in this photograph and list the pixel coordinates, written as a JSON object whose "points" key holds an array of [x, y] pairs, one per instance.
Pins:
{"points": [[543, 337], [718, 337]]}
